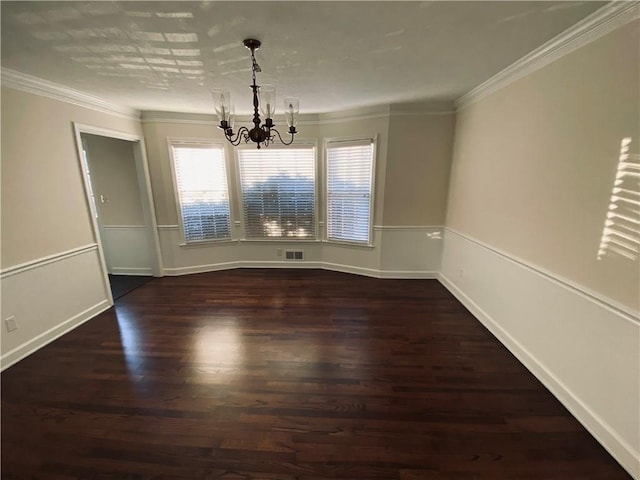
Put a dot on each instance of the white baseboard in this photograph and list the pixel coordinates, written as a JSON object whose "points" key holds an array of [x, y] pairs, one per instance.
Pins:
{"points": [[212, 267], [336, 267], [423, 274], [581, 349], [52, 334], [131, 271]]}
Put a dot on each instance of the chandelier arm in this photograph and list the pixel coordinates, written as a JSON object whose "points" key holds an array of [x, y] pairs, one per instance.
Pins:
{"points": [[235, 141], [280, 137]]}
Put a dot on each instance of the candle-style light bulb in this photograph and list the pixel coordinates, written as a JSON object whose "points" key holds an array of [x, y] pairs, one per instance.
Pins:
{"points": [[222, 104], [291, 109], [267, 100]]}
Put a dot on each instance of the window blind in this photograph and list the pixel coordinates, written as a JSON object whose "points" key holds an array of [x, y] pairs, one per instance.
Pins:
{"points": [[349, 191], [278, 192], [203, 194]]}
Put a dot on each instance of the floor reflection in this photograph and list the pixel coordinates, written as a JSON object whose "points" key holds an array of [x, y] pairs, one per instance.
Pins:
{"points": [[219, 351], [131, 343]]}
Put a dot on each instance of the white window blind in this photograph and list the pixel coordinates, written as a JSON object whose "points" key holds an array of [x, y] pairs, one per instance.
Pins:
{"points": [[201, 181], [278, 192], [349, 191]]}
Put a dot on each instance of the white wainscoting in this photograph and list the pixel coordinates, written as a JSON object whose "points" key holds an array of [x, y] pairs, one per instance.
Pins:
{"points": [[585, 350], [127, 249], [397, 252], [49, 297], [410, 251]]}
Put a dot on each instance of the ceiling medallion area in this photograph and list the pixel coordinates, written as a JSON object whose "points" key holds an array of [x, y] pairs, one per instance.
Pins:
{"points": [[264, 98]]}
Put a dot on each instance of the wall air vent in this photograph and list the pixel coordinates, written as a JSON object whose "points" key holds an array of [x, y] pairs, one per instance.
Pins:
{"points": [[294, 255]]}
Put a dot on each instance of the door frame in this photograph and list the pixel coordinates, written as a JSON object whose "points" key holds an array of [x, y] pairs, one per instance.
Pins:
{"points": [[146, 197]]}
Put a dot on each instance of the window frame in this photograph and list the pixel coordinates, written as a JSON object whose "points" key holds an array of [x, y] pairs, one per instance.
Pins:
{"points": [[297, 144], [200, 142], [328, 142]]}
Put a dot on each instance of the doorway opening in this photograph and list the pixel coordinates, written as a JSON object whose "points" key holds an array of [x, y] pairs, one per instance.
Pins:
{"points": [[118, 192]]}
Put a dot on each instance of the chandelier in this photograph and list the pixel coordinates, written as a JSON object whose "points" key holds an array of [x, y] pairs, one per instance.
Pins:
{"points": [[263, 101]]}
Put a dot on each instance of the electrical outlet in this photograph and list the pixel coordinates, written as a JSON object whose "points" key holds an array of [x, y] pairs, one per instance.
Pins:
{"points": [[279, 252], [10, 323]]}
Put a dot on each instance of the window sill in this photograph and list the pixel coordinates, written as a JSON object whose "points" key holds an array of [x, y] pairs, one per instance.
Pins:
{"points": [[334, 243], [278, 240], [208, 243]]}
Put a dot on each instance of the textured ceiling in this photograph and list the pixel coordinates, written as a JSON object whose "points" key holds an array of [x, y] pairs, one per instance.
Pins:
{"points": [[333, 55]]}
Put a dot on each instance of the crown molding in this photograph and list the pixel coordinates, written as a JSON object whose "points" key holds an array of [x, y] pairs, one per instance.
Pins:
{"points": [[603, 21], [38, 86], [154, 116], [420, 109], [363, 113], [310, 119], [208, 119]]}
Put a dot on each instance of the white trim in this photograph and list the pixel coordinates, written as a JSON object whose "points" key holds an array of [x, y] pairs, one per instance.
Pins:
{"points": [[212, 267], [409, 227], [45, 88], [311, 119], [407, 274], [603, 21], [422, 109], [141, 271], [211, 120], [287, 240], [168, 227], [336, 142], [195, 142], [186, 142], [624, 311], [600, 429], [344, 243], [208, 243], [146, 196], [123, 227], [153, 116], [39, 262], [336, 267], [36, 343], [281, 264], [107, 132]]}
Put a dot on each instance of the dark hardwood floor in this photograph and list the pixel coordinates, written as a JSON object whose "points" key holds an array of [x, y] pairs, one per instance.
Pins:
{"points": [[287, 374], [123, 284]]}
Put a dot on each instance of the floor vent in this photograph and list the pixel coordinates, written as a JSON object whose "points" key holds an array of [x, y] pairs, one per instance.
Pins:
{"points": [[294, 255]]}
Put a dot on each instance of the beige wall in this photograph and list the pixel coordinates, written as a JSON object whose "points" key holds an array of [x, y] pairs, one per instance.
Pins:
{"points": [[114, 177], [418, 164], [44, 211], [534, 163], [45, 214]]}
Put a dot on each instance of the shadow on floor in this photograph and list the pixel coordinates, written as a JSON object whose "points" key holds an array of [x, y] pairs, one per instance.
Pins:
{"points": [[123, 284]]}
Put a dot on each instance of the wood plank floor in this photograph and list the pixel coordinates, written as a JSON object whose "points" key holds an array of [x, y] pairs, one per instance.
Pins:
{"points": [[287, 374]]}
